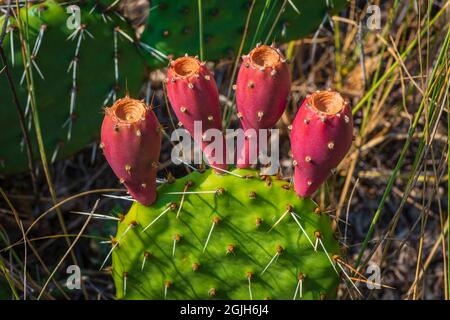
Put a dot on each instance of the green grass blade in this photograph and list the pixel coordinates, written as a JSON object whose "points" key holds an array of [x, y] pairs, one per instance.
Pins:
{"points": [[200, 27], [261, 18]]}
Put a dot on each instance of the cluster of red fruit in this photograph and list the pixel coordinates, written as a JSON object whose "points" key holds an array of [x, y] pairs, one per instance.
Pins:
{"points": [[321, 133]]}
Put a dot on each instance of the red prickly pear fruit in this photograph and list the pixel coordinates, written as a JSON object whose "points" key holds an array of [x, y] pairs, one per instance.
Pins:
{"points": [[322, 133], [131, 143], [262, 87], [262, 90], [193, 94]]}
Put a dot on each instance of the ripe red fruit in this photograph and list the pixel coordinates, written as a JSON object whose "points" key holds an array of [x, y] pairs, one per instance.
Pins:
{"points": [[262, 90], [131, 143], [321, 136], [193, 94]]}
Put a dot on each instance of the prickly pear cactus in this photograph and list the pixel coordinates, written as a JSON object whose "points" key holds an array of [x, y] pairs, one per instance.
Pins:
{"points": [[76, 72], [173, 26], [231, 236]]}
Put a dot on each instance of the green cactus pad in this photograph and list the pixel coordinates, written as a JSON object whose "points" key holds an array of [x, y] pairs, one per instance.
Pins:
{"points": [[243, 242], [95, 79], [173, 26]]}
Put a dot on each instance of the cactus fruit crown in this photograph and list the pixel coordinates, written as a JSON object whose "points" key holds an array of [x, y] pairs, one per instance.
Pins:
{"points": [[265, 56], [127, 111], [327, 102], [231, 236], [185, 67]]}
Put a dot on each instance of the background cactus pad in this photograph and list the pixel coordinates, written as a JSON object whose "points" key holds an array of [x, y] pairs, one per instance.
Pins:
{"points": [[173, 26], [76, 71]]}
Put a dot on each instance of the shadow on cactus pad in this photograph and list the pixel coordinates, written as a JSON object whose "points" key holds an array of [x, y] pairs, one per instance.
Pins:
{"points": [[240, 236]]}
